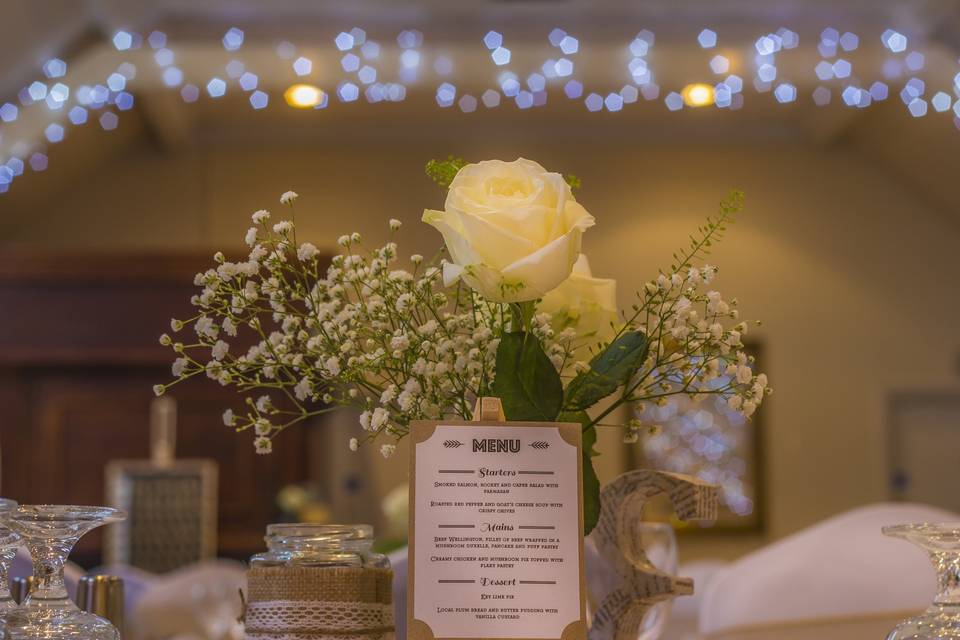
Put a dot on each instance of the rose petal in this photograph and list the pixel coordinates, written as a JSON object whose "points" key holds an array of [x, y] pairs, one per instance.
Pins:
{"points": [[453, 236], [546, 268]]}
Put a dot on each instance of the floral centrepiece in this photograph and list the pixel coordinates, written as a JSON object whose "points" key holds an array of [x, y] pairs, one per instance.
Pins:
{"points": [[511, 310]]}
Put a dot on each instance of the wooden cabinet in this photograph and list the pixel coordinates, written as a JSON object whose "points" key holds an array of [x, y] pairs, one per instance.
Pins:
{"points": [[78, 358]]}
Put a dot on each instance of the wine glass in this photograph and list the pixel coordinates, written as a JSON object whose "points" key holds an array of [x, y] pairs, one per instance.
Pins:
{"points": [[941, 621], [659, 544], [9, 543], [50, 532]]}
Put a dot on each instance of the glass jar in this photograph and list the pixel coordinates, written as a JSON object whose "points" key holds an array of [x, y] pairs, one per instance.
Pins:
{"points": [[322, 580], [320, 545]]}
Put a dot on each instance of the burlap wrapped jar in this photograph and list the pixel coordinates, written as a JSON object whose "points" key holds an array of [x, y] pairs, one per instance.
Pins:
{"points": [[319, 581]]}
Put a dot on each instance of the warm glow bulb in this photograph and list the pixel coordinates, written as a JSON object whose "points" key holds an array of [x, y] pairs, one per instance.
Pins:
{"points": [[698, 95], [303, 96]]}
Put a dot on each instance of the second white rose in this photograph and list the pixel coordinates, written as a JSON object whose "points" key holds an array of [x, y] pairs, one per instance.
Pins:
{"points": [[586, 304]]}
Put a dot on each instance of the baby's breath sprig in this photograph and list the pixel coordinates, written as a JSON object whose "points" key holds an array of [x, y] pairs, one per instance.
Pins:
{"points": [[365, 332]]}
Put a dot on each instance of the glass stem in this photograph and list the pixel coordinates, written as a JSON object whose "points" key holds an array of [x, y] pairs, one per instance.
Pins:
{"points": [[947, 566], [6, 557], [49, 556]]}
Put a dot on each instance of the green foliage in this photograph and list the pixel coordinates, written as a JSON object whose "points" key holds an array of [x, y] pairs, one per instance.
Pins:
{"points": [[526, 382], [444, 171], [710, 232], [609, 369], [591, 484]]}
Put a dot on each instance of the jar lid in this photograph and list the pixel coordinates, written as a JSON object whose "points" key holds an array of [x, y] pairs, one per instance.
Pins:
{"points": [[318, 533]]}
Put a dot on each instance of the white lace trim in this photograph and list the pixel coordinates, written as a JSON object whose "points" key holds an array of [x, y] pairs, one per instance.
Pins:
{"points": [[316, 636], [309, 620]]}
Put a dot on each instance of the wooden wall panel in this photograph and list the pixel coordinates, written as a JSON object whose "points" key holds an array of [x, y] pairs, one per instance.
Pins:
{"points": [[78, 358]]}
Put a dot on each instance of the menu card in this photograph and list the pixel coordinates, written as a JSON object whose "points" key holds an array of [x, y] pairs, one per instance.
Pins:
{"points": [[496, 531]]}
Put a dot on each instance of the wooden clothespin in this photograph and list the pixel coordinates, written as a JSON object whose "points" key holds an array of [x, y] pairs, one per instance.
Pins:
{"points": [[488, 409]]}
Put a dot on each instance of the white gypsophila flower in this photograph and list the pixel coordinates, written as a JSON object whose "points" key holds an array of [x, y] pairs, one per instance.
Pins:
{"points": [[251, 237], [388, 394], [282, 227], [178, 367], [288, 197], [262, 427], [205, 327], [303, 389], [220, 350], [263, 445], [379, 419], [228, 418], [264, 404], [395, 224], [387, 450], [354, 444], [158, 390], [332, 365], [307, 252], [229, 327], [260, 216]]}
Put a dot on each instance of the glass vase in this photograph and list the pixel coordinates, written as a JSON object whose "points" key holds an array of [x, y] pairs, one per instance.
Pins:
{"points": [[50, 532], [941, 621]]}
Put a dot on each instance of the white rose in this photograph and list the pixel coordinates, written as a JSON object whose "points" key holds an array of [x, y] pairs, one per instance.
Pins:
{"points": [[512, 229], [584, 303]]}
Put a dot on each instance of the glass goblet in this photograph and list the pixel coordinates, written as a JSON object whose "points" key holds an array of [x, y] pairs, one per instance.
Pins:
{"points": [[9, 543], [50, 532], [659, 543], [941, 621]]}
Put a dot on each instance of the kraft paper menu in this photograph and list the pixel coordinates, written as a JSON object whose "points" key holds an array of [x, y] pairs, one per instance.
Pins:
{"points": [[496, 531]]}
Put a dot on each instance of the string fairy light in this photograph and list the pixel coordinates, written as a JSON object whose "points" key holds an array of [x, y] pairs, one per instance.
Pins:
{"points": [[364, 76]]}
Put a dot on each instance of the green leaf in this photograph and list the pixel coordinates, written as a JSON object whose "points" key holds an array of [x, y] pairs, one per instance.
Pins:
{"points": [[526, 382], [443, 171], [608, 370], [573, 181], [591, 494], [591, 484]]}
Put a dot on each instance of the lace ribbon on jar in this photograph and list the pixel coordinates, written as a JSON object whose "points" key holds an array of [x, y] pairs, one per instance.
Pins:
{"points": [[310, 603]]}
